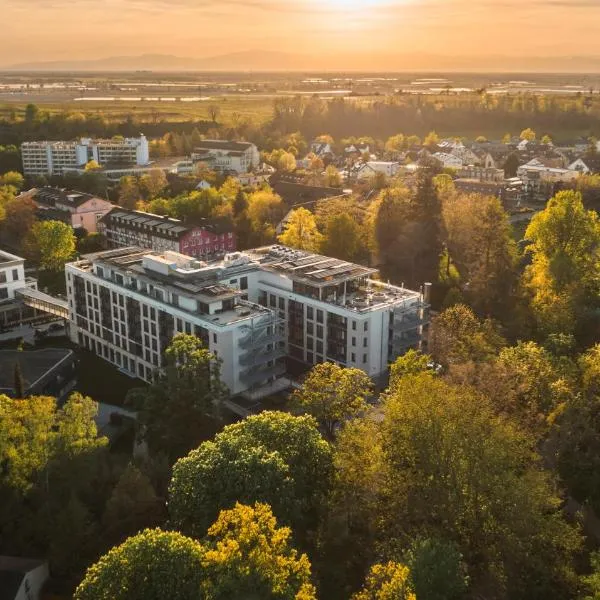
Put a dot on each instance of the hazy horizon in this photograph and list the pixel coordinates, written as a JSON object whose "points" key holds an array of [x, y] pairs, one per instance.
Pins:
{"points": [[329, 34]]}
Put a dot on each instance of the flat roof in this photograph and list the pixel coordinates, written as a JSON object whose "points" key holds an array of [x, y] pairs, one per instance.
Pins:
{"points": [[312, 269], [34, 365]]}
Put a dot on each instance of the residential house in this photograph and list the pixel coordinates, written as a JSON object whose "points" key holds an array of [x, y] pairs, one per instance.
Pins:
{"points": [[322, 150], [22, 578], [367, 170], [78, 209], [448, 161], [12, 280]]}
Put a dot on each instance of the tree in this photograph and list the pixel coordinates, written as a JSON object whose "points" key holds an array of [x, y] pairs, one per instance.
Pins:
{"points": [[546, 140], [591, 582], [528, 135], [301, 231], [92, 165], [19, 381], [332, 177], [437, 571], [249, 556], [154, 182], [333, 395], [395, 144], [342, 238], [180, 406], [431, 139], [507, 138], [14, 179], [411, 363], [265, 209], [565, 269], [152, 565], [31, 113], [389, 581], [457, 336], [286, 162], [272, 457], [511, 164], [129, 192], [132, 506], [20, 215], [214, 111], [51, 243], [484, 491]]}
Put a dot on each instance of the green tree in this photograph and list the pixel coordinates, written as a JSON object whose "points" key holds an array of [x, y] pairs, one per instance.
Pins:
{"points": [[483, 485], [546, 139], [437, 571], [51, 244], [511, 165], [286, 162], [265, 210], [395, 144], [132, 506], [178, 409], [389, 581], [301, 231], [565, 269], [129, 192], [431, 139], [411, 363], [333, 395], [457, 336], [92, 165], [342, 238], [153, 565], [19, 217], [154, 183], [333, 177], [272, 457], [591, 582]]}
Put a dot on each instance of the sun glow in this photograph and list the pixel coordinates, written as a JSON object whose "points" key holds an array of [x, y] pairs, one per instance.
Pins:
{"points": [[357, 5]]}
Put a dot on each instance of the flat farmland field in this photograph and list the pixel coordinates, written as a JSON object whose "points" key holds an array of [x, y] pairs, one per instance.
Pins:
{"points": [[232, 109]]}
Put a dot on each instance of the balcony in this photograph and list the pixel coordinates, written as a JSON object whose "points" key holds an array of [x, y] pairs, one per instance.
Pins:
{"points": [[407, 323], [256, 376], [260, 358]]}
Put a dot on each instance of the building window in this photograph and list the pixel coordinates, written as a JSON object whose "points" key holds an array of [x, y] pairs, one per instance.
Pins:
{"points": [[310, 357], [365, 342], [319, 346], [353, 325], [309, 343], [366, 325], [319, 316], [320, 331], [309, 312], [310, 328], [364, 359], [354, 341], [353, 357], [215, 338], [281, 303], [3, 293], [15, 274], [244, 283], [273, 301]]}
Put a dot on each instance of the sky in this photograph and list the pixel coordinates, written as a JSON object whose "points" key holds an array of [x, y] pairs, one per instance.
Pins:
{"points": [[365, 30]]}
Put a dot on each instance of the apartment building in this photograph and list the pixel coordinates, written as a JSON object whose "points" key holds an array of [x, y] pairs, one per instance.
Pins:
{"points": [[252, 309], [12, 278], [57, 157], [126, 305], [208, 238], [227, 156]]}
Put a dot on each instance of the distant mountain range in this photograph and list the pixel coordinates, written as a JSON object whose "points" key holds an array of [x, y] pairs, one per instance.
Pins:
{"points": [[263, 60]]}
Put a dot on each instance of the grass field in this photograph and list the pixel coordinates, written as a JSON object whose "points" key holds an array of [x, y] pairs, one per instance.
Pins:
{"points": [[256, 109]]}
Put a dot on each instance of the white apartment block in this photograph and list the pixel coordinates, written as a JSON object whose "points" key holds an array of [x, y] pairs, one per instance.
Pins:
{"points": [[252, 310], [12, 278], [226, 156], [56, 157]]}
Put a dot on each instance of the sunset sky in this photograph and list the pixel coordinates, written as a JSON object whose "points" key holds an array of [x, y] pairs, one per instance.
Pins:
{"points": [[35, 30]]}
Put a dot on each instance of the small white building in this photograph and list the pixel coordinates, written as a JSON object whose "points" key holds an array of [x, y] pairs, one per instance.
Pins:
{"points": [[369, 169], [448, 161], [22, 578], [12, 279], [227, 156]]}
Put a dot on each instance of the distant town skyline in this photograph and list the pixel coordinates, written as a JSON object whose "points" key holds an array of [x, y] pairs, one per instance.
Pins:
{"points": [[380, 31]]}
